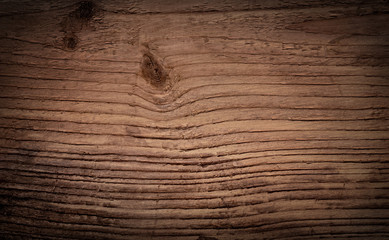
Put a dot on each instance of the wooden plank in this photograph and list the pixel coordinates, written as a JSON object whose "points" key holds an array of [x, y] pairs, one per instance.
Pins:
{"points": [[194, 120]]}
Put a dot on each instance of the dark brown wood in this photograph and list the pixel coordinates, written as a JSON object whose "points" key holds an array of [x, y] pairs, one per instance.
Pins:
{"points": [[194, 120]]}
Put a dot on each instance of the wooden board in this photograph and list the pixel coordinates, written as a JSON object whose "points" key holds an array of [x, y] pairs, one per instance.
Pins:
{"points": [[194, 120]]}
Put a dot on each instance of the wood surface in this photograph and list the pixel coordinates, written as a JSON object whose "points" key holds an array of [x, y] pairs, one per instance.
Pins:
{"points": [[194, 120]]}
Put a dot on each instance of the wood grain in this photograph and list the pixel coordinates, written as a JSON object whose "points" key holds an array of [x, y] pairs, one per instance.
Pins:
{"points": [[197, 120]]}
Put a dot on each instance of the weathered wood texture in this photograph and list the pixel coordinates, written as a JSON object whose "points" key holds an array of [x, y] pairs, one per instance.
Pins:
{"points": [[194, 119]]}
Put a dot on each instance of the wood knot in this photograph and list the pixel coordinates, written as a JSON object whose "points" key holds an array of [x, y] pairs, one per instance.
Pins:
{"points": [[153, 71], [70, 42], [85, 11], [75, 22]]}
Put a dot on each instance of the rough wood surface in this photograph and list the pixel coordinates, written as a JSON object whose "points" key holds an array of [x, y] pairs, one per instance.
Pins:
{"points": [[194, 120]]}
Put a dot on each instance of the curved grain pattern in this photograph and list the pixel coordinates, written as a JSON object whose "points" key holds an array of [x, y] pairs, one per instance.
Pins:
{"points": [[195, 120]]}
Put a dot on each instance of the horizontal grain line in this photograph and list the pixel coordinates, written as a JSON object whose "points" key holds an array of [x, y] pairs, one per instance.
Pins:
{"points": [[280, 198], [210, 84], [153, 196], [190, 157], [69, 59], [198, 99], [64, 69], [286, 55], [209, 226], [203, 86], [184, 218], [379, 165], [187, 163], [284, 64], [198, 137], [184, 149], [193, 64], [252, 186], [194, 234], [182, 106], [229, 38], [188, 127], [90, 178], [218, 53], [184, 92]]}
